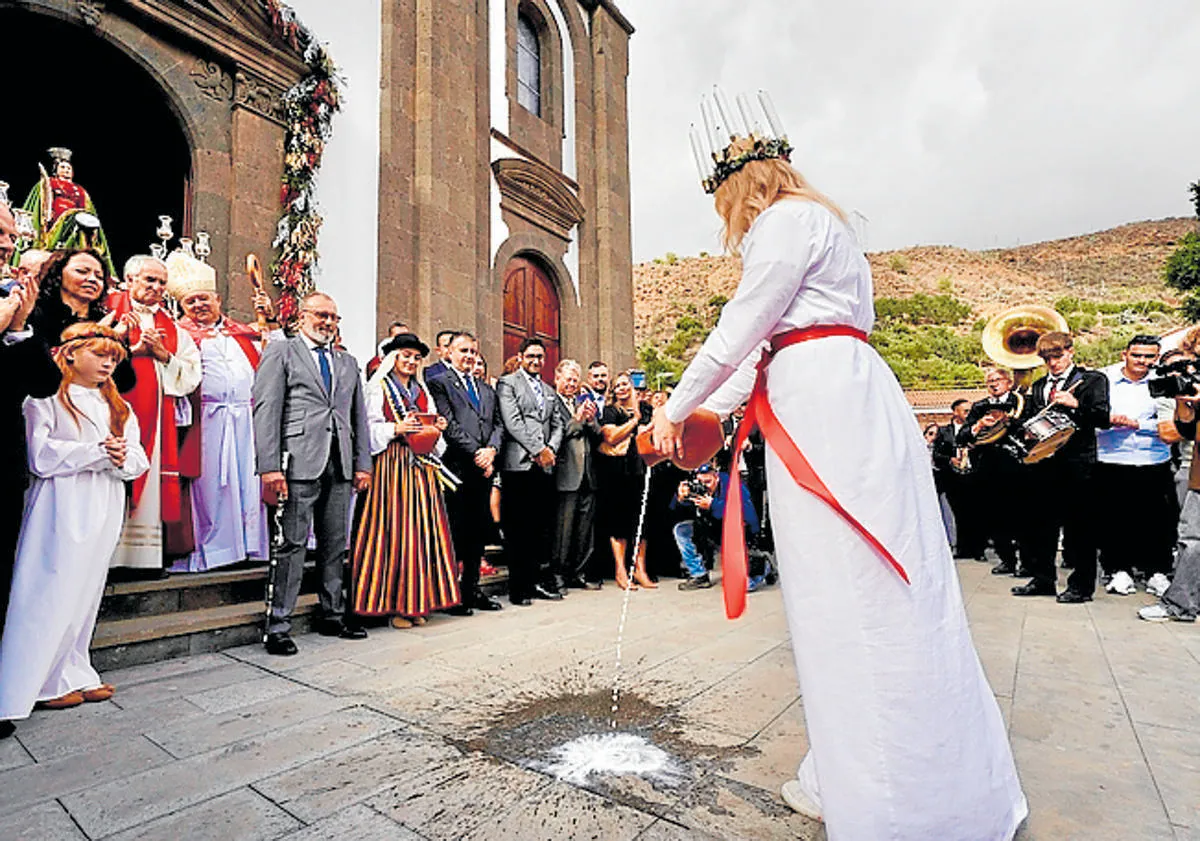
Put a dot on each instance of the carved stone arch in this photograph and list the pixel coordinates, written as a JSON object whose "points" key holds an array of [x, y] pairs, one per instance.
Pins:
{"points": [[547, 250]]}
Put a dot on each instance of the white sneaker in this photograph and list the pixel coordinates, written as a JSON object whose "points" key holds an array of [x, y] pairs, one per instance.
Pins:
{"points": [[794, 796], [1158, 584], [1121, 584], [1154, 613]]}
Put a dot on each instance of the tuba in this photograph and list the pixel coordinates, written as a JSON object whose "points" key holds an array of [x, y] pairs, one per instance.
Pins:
{"points": [[1010, 339]]}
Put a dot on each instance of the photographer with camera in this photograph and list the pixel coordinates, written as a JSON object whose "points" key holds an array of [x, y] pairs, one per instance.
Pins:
{"points": [[699, 537], [1181, 379], [1134, 464]]}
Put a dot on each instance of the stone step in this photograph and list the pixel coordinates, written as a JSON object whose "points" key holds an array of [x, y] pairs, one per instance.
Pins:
{"points": [[126, 637]]}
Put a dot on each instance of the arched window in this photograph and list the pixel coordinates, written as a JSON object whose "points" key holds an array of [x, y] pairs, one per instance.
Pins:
{"points": [[529, 66]]}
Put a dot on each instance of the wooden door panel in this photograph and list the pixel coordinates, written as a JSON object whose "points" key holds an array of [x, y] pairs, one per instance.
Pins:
{"points": [[531, 308]]}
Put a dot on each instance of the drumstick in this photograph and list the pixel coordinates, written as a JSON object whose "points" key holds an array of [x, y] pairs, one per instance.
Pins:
{"points": [[254, 270]]}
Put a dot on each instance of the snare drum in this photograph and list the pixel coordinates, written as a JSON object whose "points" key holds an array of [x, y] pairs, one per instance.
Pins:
{"points": [[1045, 433]]}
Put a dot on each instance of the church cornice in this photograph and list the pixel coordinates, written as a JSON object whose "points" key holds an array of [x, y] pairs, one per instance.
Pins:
{"points": [[538, 194], [235, 30]]}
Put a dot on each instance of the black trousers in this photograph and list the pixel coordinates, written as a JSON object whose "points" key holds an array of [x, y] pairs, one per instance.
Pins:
{"points": [[1062, 495], [574, 534], [527, 509], [999, 507], [962, 491], [470, 514], [1138, 511]]}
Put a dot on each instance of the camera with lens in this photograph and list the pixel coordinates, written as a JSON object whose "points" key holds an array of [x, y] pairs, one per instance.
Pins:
{"points": [[696, 489], [1178, 378]]}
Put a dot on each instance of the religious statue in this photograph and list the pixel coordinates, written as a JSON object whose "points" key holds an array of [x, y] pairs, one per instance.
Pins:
{"points": [[63, 213]]}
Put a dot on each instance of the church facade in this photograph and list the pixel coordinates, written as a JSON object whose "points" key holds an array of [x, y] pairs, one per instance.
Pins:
{"points": [[477, 177]]}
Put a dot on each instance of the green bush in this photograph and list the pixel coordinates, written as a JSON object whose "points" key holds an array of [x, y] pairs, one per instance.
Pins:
{"points": [[899, 264], [922, 309], [1182, 270], [671, 258]]}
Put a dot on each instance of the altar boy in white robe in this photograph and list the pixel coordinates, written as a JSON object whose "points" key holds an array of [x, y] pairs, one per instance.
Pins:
{"points": [[229, 518], [83, 445]]}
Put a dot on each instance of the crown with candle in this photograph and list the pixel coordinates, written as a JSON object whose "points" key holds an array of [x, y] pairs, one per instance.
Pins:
{"points": [[731, 139]]}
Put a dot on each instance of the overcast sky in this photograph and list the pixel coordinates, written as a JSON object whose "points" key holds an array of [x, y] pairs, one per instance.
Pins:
{"points": [[960, 122]]}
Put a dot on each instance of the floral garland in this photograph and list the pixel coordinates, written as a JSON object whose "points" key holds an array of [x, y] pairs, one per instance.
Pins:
{"points": [[740, 152], [309, 107]]}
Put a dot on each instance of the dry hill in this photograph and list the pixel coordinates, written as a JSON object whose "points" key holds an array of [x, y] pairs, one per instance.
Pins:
{"points": [[1121, 264]]}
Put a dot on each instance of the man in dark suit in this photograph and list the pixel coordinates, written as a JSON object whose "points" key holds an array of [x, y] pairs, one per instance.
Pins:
{"points": [[1063, 482], [472, 442], [444, 363], [575, 479], [533, 432], [958, 481], [30, 371], [312, 445], [997, 471]]}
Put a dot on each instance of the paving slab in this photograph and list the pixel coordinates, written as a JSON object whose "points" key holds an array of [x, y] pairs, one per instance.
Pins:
{"points": [[358, 823], [241, 815], [113, 807], [559, 811], [44, 822], [327, 785]]}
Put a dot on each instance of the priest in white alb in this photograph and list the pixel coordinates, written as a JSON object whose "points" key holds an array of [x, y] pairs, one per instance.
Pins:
{"points": [[229, 517], [167, 363]]}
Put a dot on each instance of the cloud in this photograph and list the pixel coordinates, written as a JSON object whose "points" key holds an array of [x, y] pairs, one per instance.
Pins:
{"points": [[968, 123]]}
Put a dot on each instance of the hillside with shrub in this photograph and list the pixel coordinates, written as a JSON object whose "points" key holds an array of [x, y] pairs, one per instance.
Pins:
{"points": [[932, 301]]}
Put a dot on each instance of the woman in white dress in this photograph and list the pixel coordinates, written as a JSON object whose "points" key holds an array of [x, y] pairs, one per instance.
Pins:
{"points": [[907, 741], [83, 447]]}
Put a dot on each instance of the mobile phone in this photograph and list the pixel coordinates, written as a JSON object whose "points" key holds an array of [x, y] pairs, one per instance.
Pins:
{"points": [[637, 378], [585, 397]]}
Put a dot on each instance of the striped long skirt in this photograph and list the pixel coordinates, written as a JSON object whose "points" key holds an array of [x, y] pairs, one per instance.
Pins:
{"points": [[403, 559]]}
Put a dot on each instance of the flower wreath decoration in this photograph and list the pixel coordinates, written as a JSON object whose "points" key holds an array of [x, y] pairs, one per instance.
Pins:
{"points": [[308, 109]]}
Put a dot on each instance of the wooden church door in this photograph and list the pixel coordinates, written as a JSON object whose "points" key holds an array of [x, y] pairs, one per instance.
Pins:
{"points": [[530, 309]]}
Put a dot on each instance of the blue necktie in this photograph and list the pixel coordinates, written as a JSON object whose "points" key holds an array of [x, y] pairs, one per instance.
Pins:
{"points": [[326, 371], [472, 392], [536, 386]]}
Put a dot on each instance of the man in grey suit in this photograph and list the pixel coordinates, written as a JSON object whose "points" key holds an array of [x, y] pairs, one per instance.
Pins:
{"points": [[533, 432], [311, 446], [574, 528]]}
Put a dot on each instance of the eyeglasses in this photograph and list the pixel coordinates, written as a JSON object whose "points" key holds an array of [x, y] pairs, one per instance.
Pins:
{"points": [[324, 316]]}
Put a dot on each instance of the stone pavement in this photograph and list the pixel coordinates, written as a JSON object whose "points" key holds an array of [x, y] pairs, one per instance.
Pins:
{"points": [[438, 732]]}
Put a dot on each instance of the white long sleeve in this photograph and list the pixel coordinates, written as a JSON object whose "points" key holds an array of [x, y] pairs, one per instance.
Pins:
{"points": [[382, 429], [136, 462], [180, 375], [800, 266], [52, 455]]}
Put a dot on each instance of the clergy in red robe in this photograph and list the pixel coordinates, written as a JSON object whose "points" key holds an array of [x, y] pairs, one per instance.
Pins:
{"points": [[168, 368]]}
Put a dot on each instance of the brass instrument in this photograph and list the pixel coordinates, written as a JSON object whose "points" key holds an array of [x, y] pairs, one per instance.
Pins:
{"points": [[1010, 339]]}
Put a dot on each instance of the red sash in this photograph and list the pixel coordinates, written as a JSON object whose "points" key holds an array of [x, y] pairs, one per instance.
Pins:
{"points": [[760, 414], [144, 399]]}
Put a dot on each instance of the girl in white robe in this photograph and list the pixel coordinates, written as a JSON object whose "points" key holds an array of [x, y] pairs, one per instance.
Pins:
{"points": [[83, 446], [907, 741]]}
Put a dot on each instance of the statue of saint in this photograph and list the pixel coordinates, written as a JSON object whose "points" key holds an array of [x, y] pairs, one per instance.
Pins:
{"points": [[63, 213]]}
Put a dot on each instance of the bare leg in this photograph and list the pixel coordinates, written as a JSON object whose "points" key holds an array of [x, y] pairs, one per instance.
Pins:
{"points": [[639, 571], [622, 574]]}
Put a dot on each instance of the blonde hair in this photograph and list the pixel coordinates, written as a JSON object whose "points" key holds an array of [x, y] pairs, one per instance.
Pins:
{"points": [[1191, 341], [757, 186], [102, 341]]}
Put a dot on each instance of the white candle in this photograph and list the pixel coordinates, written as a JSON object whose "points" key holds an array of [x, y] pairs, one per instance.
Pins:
{"points": [[715, 141], [701, 167], [768, 107], [725, 111], [753, 124]]}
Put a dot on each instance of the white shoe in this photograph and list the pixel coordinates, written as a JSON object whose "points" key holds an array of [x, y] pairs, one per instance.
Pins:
{"points": [[794, 796], [1154, 613], [1158, 584], [1121, 584]]}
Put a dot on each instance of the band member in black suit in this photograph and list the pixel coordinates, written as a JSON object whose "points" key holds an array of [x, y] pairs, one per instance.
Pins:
{"points": [[955, 464], [473, 439], [996, 468], [1063, 482]]}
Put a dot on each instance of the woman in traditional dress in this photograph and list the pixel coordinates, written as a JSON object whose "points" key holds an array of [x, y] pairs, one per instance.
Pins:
{"points": [[620, 480], [404, 565], [83, 446], [907, 741]]}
